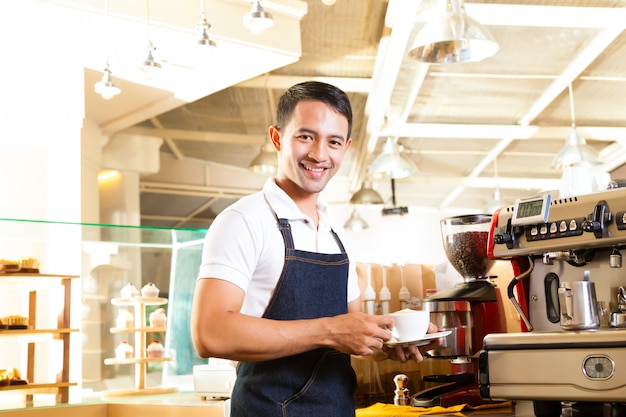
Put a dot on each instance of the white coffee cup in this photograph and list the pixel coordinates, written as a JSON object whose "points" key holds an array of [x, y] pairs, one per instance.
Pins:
{"points": [[410, 324]]}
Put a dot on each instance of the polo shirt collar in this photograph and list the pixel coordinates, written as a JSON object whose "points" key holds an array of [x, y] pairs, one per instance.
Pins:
{"points": [[286, 208]]}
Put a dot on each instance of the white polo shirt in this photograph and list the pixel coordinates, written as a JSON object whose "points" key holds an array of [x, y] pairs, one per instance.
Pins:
{"points": [[244, 245]]}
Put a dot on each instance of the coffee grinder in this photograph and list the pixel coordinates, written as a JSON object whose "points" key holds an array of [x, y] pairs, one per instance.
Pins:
{"points": [[470, 310]]}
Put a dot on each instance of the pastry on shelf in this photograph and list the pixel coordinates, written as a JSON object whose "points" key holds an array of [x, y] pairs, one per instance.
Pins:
{"points": [[11, 377], [158, 318], [28, 264], [9, 265], [15, 322], [124, 350], [129, 291], [150, 291], [125, 319], [155, 350]]}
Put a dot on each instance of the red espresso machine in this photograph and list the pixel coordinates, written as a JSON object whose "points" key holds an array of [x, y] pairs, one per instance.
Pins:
{"points": [[470, 310], [569, 292]]}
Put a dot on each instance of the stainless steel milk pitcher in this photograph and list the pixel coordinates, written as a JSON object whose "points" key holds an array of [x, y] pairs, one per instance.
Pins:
{"points": [[579, 307]]}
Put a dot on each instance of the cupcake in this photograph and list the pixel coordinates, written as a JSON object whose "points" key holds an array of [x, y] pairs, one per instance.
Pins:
{"points": [[155, 350], [158, 318], [124, 319], [124, 350], [150, 291], [129, 291]]}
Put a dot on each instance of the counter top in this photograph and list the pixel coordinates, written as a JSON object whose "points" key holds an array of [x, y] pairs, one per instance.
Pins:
{"points": [[187, 404]]}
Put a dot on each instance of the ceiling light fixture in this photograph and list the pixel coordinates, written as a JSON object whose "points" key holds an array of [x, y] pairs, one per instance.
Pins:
{"points": [[266, 161], [355, 223], [328, 2], [366, 195], [150, 66], [202, 27], [453, 37], [392, 163], [258, 20], [106, 87], [576, 151], [496, 201]]}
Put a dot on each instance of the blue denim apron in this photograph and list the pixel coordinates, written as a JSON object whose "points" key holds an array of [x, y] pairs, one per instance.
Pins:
{"points": [[318, 383]]}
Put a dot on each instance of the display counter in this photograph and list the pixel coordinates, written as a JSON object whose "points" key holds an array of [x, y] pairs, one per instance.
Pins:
{"points": [[181, 404], [77, 354], [186, 404]]}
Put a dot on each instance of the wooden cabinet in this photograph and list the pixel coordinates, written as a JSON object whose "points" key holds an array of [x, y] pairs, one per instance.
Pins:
{"points": [[140, 359], [61, 332]]}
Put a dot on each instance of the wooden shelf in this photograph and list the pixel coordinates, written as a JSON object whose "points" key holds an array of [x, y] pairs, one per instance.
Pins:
{"points": [[130, 361], [26, 332], [62, 332], [142, 391], [138, 329], [140, 359], [146, 301], [22, 278], [30, 389]]}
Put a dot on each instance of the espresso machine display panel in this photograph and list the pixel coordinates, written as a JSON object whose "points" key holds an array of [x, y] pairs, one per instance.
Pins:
{"points": [[569, 292]]}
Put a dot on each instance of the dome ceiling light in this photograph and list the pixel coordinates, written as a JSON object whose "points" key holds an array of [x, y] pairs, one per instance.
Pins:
{"points": [[453, 37]]}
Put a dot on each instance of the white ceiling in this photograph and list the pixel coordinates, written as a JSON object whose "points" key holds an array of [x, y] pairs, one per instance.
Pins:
{"points": [[457, 121]]}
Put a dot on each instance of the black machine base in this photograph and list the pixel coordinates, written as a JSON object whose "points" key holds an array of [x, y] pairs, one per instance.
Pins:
{"points": [[545, 408]]}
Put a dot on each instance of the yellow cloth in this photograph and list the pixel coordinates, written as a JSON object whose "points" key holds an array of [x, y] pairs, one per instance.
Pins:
{"points": [[390, 410]]}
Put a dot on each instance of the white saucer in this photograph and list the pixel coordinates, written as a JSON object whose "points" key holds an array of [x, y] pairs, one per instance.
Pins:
{"points": [[429, 337]]}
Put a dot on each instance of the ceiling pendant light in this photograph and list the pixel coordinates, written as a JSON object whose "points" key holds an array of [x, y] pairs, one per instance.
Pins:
{"points": [[355, 223], [453, 37], [202, 27], [496, 201], [105, 87], [576, 151], [366, 195], [150, 66], [258, 20], [265, 162], [392, 163]]}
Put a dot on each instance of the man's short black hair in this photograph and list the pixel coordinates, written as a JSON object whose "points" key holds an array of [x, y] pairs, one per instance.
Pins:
{"points": [[313, 90]]}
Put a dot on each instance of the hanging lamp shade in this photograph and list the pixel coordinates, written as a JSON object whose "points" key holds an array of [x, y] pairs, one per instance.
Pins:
{"points": [[576, 152], [392, 163], [257, 19], [106, 87], [203, 39], [355, 223], [266, 161], [495, 203], [366, 195], [453, 37], [149, 65]]}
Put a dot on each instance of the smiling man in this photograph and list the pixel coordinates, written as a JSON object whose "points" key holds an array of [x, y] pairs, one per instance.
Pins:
{"points": [[276, 290]]}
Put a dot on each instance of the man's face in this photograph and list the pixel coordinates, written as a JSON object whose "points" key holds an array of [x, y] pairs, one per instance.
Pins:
{"points": [[311, 146]]}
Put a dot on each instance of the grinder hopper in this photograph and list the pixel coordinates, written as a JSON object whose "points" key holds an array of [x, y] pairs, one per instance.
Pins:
{"points": [[465, 243]]}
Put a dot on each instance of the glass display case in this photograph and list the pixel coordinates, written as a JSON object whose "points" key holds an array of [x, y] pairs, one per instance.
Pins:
{"points": [[105, 258]]}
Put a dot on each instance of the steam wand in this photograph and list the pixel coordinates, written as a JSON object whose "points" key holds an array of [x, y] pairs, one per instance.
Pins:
{"points": [[511, 293]]}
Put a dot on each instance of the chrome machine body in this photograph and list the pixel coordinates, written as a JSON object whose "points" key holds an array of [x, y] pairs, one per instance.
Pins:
{"points": [[569, 291]]}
